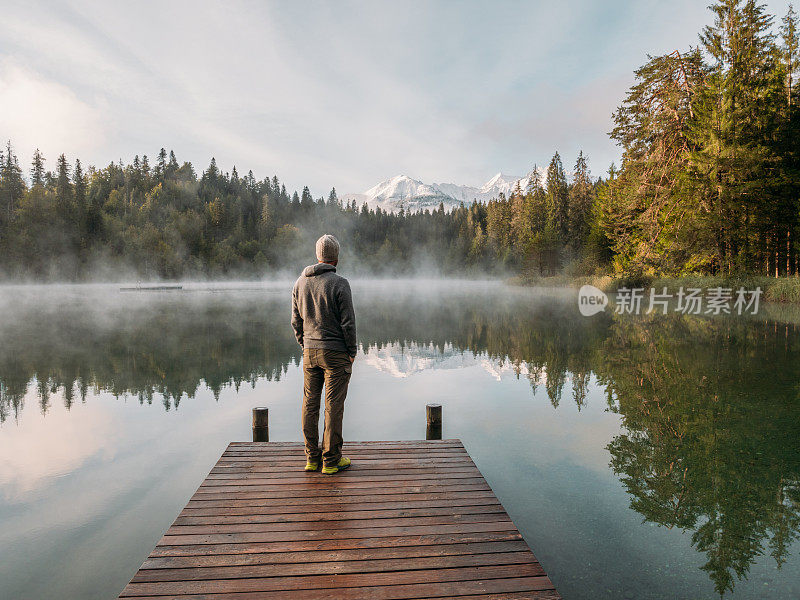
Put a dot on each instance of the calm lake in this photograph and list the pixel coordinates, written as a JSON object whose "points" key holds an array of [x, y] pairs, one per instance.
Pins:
{"points": [[640, 456]]}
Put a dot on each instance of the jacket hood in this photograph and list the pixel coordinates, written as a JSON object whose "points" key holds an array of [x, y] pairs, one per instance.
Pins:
{"points": [[318, 269]]}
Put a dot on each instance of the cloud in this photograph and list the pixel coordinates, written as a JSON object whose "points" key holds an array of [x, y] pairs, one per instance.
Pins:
{"points": [[548, 119], [43, 112], [343, 94]]}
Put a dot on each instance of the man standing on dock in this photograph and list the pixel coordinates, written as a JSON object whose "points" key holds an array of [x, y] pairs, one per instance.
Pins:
{"points": [[324, 323]]}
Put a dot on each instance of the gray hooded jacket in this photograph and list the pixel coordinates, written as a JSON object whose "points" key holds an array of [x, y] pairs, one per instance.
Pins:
{"points": [[322, 310]]}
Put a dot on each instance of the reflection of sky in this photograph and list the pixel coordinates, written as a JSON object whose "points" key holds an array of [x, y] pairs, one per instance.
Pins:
{"points": [[62, 442], [87, 493]]}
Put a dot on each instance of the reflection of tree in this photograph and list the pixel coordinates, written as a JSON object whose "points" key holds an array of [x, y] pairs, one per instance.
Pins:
{"points": [[165, 348], [711, 413], [538, 335], [169, 346]]}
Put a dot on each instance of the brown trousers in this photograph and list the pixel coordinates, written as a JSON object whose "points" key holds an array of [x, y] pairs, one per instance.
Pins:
{"points": [[333, 369]]}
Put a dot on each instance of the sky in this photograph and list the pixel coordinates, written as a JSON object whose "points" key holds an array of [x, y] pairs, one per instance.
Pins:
{"points": [[325, 94]]}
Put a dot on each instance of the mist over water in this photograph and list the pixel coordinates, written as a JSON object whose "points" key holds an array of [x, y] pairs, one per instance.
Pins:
{"points": [[644, 457]]}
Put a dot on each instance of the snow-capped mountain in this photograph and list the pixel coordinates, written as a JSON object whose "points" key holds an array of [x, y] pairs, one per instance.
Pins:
{"points": [[502, 183], [403, 361], [402, 191], [413, 195]]}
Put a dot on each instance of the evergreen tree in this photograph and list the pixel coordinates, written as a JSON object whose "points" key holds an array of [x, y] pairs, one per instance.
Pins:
{"points": [[791, 44], [145, 166], [786, 139], [12, 185], [732, 130], [172, 165], [64, 189], [648, 209], [306, 200], [557, 199], [581, 201], [37, 169], [161, 164], [79, 186], [533, 181]]}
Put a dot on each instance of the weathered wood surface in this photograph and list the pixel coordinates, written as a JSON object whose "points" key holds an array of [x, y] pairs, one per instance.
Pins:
{"points": [[407, 520]]}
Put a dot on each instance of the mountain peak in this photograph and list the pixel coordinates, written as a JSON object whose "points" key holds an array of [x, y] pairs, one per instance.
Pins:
{"points": [[404, 192], [500, 182]]}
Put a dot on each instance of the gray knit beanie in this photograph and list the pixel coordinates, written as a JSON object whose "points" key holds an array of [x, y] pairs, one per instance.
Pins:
{"points": [[327, 248]]}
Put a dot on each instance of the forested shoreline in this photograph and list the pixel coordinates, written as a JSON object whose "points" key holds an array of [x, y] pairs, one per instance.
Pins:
{"points": [[710, 179], [163, 221], [709, 184]]}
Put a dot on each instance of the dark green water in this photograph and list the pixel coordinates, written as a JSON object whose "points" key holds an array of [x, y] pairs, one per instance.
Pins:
{"points": [[641, 457]]}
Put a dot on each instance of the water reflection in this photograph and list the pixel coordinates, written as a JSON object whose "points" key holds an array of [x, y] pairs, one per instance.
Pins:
{"points": [[711, 412], [168, 345], [162, 347], [709, 408]]}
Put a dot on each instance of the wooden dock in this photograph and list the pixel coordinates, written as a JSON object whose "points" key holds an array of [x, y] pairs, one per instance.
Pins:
{"points": [[151, 288], [407, 520]]}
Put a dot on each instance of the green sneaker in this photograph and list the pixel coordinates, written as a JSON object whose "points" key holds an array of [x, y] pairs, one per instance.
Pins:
{"points": [[312, 465], [343, 463]]}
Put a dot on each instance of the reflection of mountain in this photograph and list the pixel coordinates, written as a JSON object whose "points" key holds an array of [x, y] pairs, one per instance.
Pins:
{"points": [[402, 360]]}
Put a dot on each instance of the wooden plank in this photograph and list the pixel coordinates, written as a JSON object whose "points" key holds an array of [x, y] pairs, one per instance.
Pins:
{"points": [[365, 474], [402, 497], [387, 449], [346, 485], [330, 534], [359, 444], [370, 565], [531, 588], [410, 519], [349, 525], [309, 556], [331, 511], [342, 484], [396, 467], [378, 454], [349, 580], [294, 467], [335, 544], [527, 588], [337, 491], [218, 516]]}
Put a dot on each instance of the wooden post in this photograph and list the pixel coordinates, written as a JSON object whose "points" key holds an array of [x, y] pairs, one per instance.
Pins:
{"points": [[433, 414], [261, 424]]}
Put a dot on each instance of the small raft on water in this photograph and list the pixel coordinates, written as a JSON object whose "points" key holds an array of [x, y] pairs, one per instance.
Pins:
{"points": [[151, 288]]}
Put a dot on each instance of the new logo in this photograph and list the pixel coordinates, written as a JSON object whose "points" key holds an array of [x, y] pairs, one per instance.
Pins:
{"points": [[591, 300]]}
